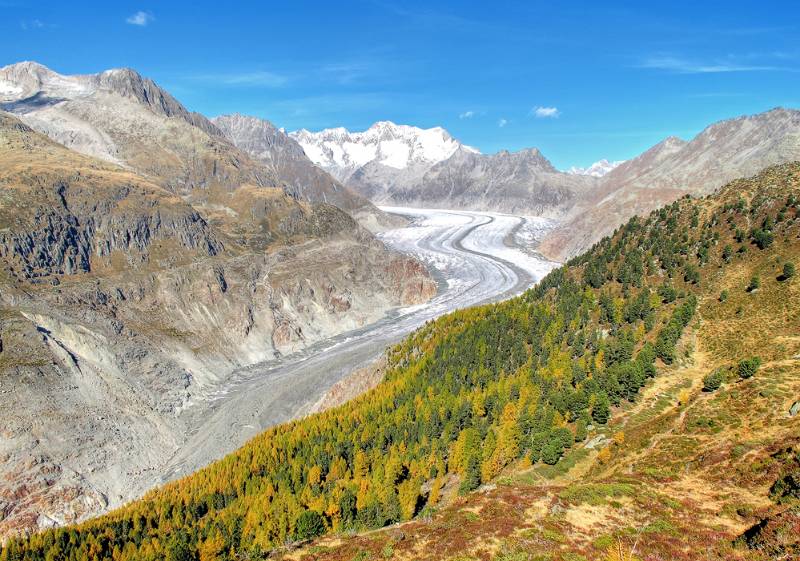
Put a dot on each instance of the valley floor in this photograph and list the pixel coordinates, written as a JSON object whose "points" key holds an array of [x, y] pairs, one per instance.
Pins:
{"points": [[476, 257]]}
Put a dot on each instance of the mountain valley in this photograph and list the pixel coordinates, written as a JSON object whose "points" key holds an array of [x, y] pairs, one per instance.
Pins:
{"points": [[223, 340]]}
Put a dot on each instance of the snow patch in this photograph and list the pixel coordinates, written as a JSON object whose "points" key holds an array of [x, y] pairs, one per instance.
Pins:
{"points": [[597, 169], [7, 89]]}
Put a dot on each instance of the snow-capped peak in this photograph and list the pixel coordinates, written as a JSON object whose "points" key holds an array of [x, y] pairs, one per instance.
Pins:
{"points": [[397, 146], [597, 169]]}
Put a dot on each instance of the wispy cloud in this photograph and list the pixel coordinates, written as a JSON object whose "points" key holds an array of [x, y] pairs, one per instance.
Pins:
{"points": [[466, 115], [680, 65], [35, 24], [348, 72], [546, 112], [502, 123], [140, 18], [258, 78], [711, 95]]}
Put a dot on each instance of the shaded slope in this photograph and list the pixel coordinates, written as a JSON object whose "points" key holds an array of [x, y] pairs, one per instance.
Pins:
{"points": [[290, 167]]}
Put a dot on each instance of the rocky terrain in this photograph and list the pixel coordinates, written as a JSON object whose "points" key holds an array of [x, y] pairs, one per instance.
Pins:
{"points": [[523, 182], [122, 306], [674, 167], [288, 164], [125, 118], [589, 203]]}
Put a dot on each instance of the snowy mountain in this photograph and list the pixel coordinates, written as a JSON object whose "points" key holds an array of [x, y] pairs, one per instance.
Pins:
{"points": [[597, 169], [288, 164], [400, 147]]}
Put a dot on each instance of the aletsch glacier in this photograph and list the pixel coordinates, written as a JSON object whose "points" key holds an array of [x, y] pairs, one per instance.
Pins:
{"points": [[476, 257]]}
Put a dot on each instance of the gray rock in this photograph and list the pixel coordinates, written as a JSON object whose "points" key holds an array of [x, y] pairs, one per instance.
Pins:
{"points": [[597, 442]]}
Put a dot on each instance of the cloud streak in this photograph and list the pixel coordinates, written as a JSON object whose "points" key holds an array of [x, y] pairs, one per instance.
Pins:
{"points": [[679, 65], [258, 78], [466, 115], [502, 123], [140, 18]]}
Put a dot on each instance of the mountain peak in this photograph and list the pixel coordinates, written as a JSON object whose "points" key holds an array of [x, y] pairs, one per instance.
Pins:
{"points": [[24, 80], [597, 169], [389, 144]]}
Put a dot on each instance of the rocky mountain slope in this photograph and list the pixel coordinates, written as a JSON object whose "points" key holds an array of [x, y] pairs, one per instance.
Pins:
{"points": [[121, 306], [674, 167], [289, 165], [641, 402], [407, 166], [127, 119], [523, 182]]}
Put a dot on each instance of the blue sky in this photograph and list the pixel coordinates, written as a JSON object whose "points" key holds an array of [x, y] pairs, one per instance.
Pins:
{"points": [[579, 80]]}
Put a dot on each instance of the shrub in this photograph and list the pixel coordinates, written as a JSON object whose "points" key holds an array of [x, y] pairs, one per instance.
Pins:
{"points": [[713, 381], [309, 525], [727, 253], [601, 410], [580, 430], [723, 295], [551, 452], [788, 271], [755, 283], [748, 367], [762, 238]]}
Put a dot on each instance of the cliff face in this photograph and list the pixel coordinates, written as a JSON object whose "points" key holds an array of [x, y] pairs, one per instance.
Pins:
{"points": [[64, 215], [122, 306]]}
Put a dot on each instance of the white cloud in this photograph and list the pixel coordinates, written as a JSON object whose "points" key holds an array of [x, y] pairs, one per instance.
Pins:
{"points": [[502, 122], [546, 112], [140, 18], [467, 115]]}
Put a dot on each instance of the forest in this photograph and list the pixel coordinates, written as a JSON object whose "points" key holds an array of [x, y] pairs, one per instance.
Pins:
{"points": [[464, 397]]}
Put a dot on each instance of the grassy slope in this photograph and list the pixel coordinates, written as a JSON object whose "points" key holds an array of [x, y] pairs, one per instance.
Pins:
{"points": [[693, 470]]}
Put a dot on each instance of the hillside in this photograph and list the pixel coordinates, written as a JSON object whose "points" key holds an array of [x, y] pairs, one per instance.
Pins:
{"points": [[127, 119], [723, 151], [123, 309], [522, 182], [289, 166], [578, 404]]}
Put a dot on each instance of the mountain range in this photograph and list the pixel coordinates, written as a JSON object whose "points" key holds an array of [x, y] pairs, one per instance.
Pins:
{"points": [[639, 403], [147, 253], [144, 258], [399, 165]]}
